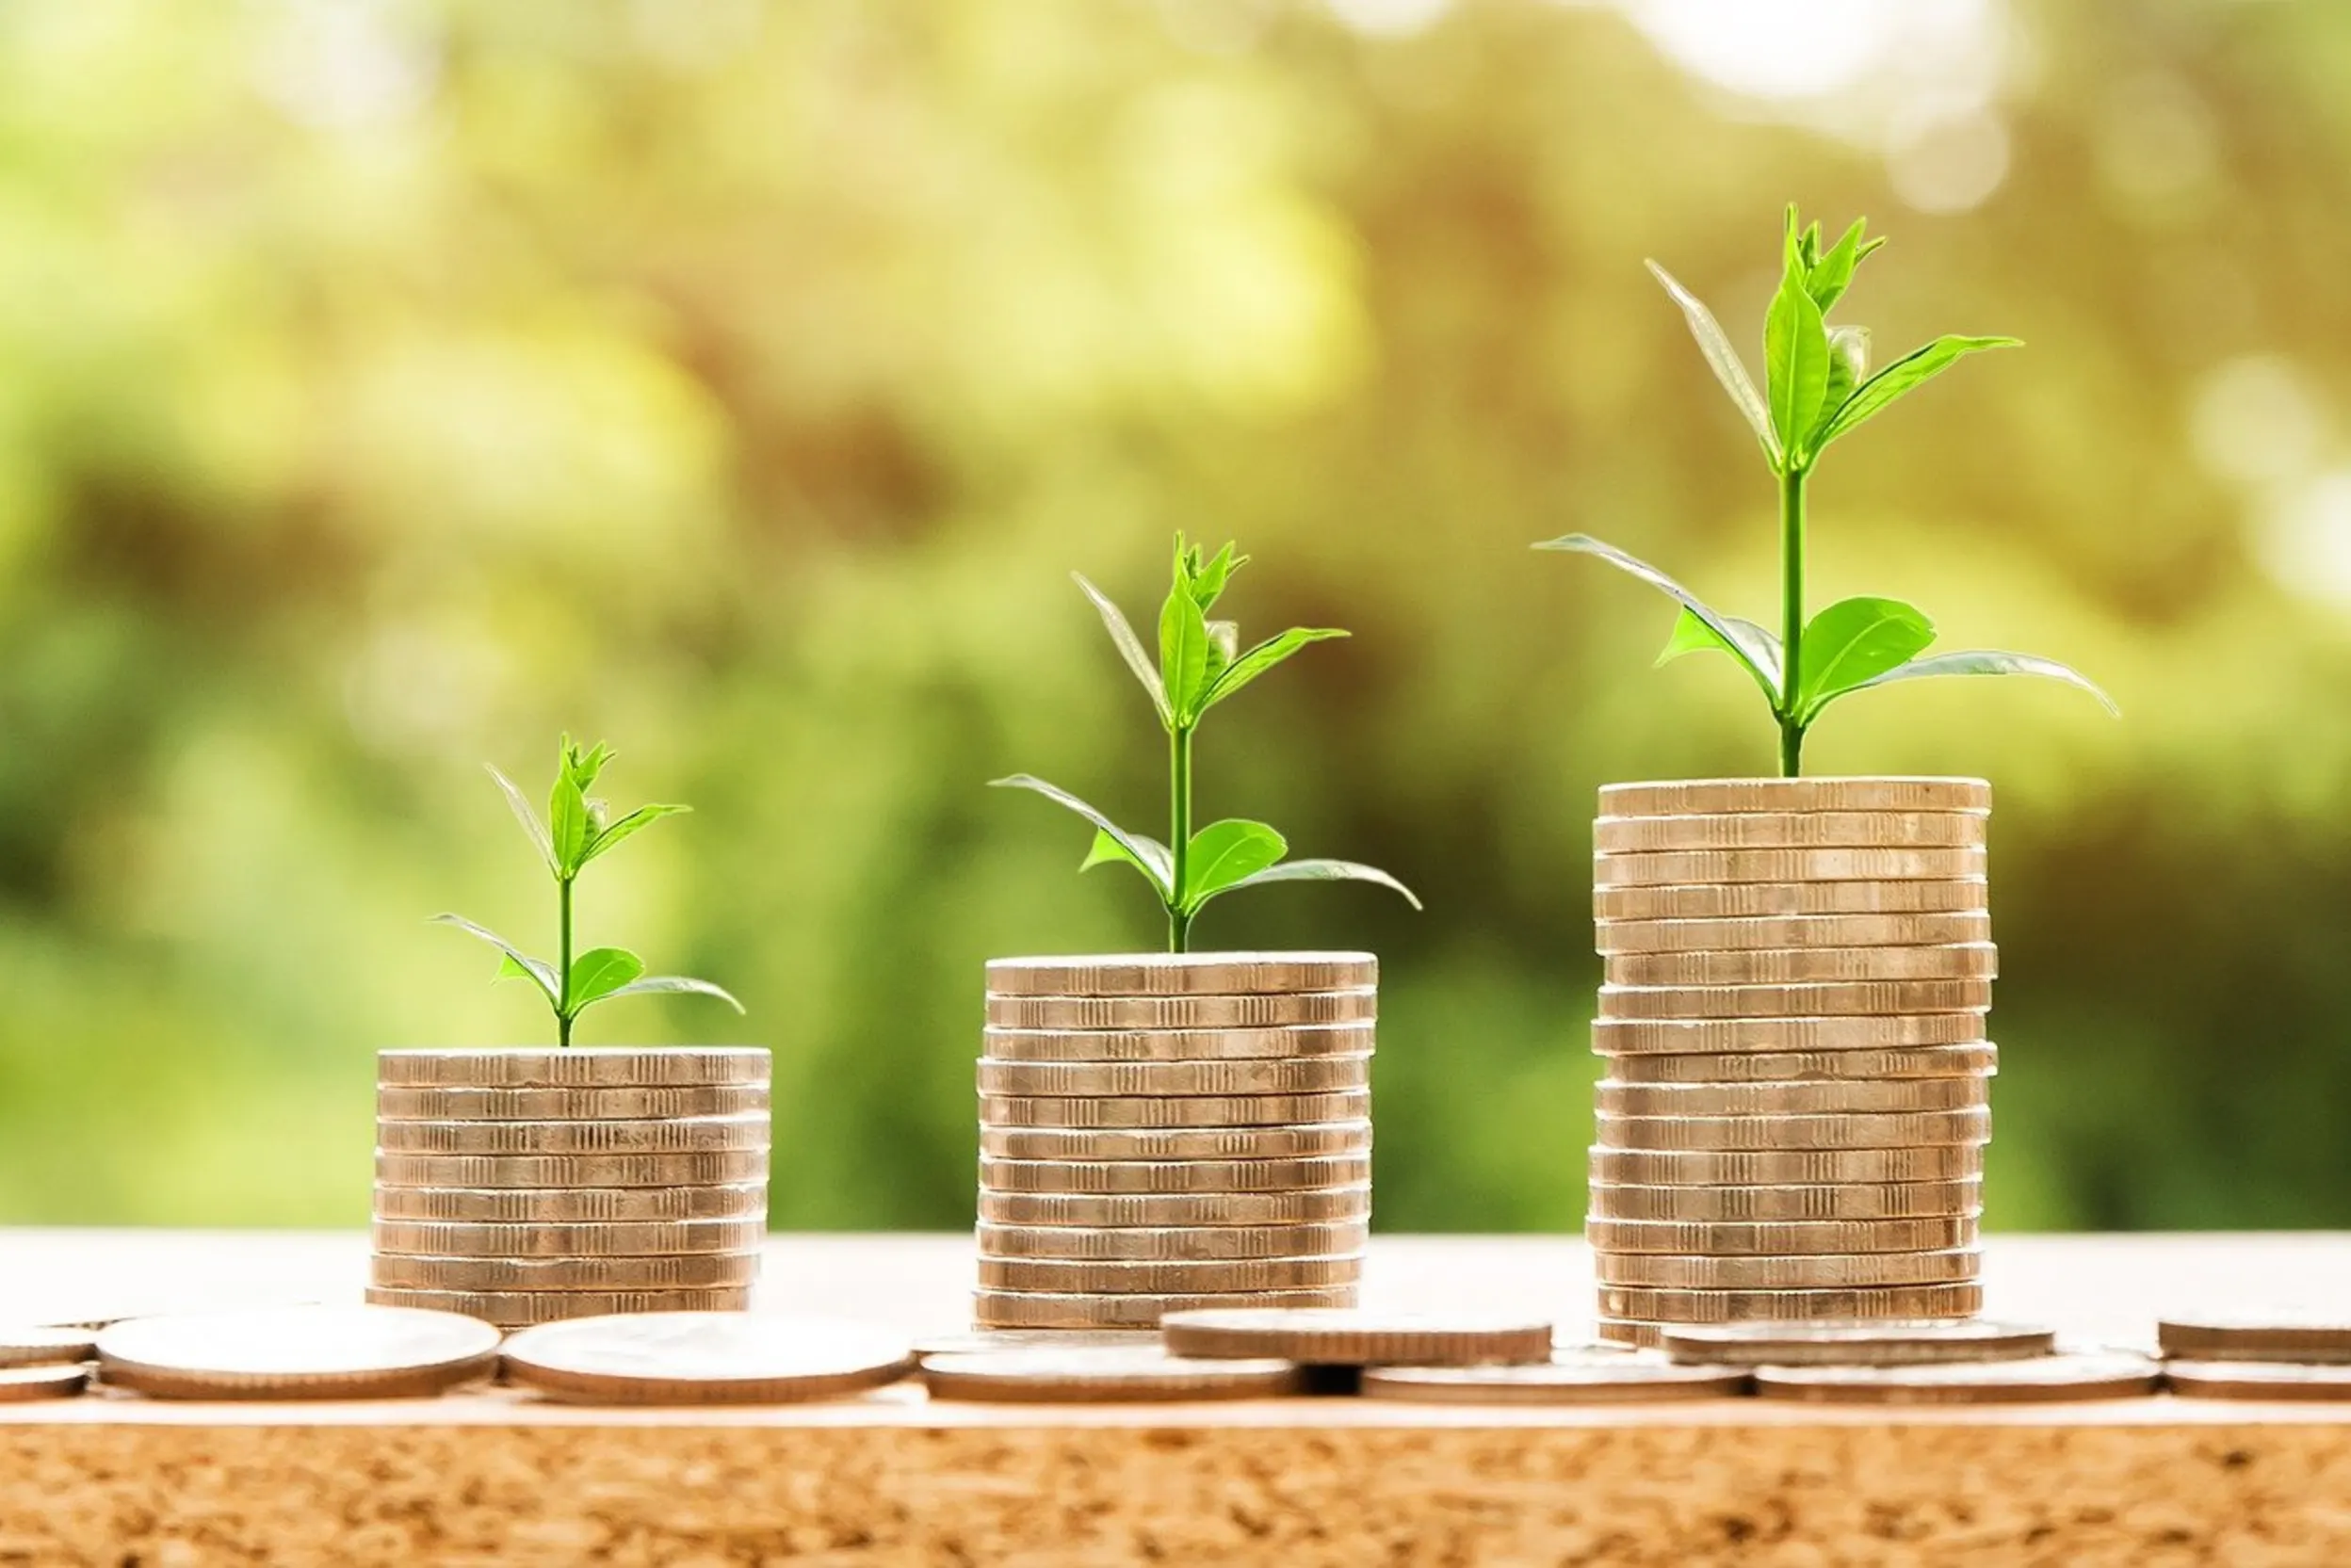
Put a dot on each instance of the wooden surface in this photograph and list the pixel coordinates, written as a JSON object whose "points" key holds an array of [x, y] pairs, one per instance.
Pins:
{"points": [[892, 1478]]}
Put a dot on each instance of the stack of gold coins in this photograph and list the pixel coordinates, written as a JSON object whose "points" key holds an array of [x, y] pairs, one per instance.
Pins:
{"points": [[526, 1186], [1794, 1121], [1172, 1131]]}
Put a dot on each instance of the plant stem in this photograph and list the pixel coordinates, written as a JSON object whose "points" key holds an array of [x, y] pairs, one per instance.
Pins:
{"points": [[563, 973], [1179, 833], [1791, 618]]}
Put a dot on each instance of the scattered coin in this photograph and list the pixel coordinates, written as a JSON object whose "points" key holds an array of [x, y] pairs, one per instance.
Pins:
{"points": [[1351, 1200], [2258, 1380], [2104, 1375], [1173, 1110], [1733, 1168], [1607, 1378], [1805, 965], [1790, 830], [685, 1135], [1353, 1337], [22, 1385], [1812, 1271], [2282, 1336], [1822, 999], [1183, 1012], [1855, 1344], [583, 1205], [1172, 1176], [974, 1342], [1205, 1243], [1625, 1335], [1013, 1309], [1156, 1276], [1832, 1097], [1231, 1076], [1849, 1200], [1798, 1237], [1182, 974], [1729, 1067], [42, 1347], [1656, 1305], [314, 1352], [516, 1309], [704, 1358], [1705, 867], [395, 1103], [1784, 795], [1926, 928], [1888, 1130], [681, 1271], [1285, 1041], [1321, 1138], [1103, 1376], [1729, 900], [594, 1241], [1620, 1037], [727, 1167], [576, 1066]]}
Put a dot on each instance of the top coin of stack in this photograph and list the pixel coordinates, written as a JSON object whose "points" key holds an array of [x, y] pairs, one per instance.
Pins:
{"points": [[527, 1186], [1165, 1131], [1793, 1128]]}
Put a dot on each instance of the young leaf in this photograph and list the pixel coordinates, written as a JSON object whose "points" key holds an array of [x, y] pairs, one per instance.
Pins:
{"points": [[1855, 640], [538, 970], [1223, 647], [1744, 639], [634, 822], [1832, 274], [1183, 652], [582, 766], [1264, 657], [1130, 648], [1138, 848], [660, 984], [1326, 871], [1223, 854], [568, 823], [1920, 365], [1796, 360], [1208, 582], [600, 971], [1723, 358], [1691, 635], [528, 817], [1147, 856], [1990, 662], [1848, 363]]}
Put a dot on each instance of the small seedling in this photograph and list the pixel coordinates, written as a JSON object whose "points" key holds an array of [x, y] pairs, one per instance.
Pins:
{"points": [[1200, 665], [1819, 388], [575, 832]]}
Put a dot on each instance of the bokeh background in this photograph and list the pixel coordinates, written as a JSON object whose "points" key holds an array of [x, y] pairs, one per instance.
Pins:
{"points": [[386, 387]]}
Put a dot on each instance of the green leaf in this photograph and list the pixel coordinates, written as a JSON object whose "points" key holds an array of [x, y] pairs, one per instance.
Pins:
{"points": [[1918, 365], [1854, 641], [528, 817], [1183, 654], [1991, 662], [1326, 871], [634, 822], [583, 766], [1756, 650], [1829, 275], [1130, 648], [568, 824], [601, 971], [1742, 639], [1264, 657], [1223, 647], [1223, 854], [1723, 358], [1139, 849], [1848, 363], [1208, 582], [665, 984], [1147, 856], [538, 970], [1796, 360]]}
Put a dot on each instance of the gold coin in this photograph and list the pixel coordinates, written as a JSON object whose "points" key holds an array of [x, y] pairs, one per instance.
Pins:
{"points": [[1091, 1277], [395, 1103], [977, 1341], [1790, 830], [2254, 1380], [1823, 1272], [1834, 1096], [704, 1358], [584, 1206], [1889, 1130], [1846, 1201], [1748, 900], [567, 1170], [1753, 1239], [1358, 1006], [1301, 1206], [1907, 1062], [310, 1352], [24, 1384], [1173, 1110], [1145, 1045], [1826, 999], [1791, 965], [576, 1066], [1276, 1076], [2269, 1334], [514, 1309], [1353, 1337], [1610, 1378], [1012, 1309], [1888, 793], [1618, 1037], [1157, 1243], [608, 1240], [1857, 1344], [1172, 1176], [2105, 1375], [41, 1346], [1629, 1337], [693, 1135], [1104, 1374], [1182, 974], [1925, 929], [1705, 867], [1655, 1305], [676, 1271], [1794, 1167], [1325, 1137]]}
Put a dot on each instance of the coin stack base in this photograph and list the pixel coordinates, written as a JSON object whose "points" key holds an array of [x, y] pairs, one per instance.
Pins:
{"points": [[531, 1187], [1796, 974], [1161, 1131]]}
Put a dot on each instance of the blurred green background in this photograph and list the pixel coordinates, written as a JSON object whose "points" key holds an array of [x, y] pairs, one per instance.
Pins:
{"points": [[385, 387]]}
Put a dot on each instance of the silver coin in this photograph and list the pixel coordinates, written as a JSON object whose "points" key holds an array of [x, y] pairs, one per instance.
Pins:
{"points": [[705, 1358], [314, 1353]]}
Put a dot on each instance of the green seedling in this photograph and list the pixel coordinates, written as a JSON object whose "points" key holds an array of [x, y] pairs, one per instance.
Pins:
{"points": [[1817, 388], [578, 830], [1200, 665]]}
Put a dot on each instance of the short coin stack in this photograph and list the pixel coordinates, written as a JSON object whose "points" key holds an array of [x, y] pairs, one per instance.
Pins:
{"points": [[1169, 1131], [528, 1186], [1794, 1124]]}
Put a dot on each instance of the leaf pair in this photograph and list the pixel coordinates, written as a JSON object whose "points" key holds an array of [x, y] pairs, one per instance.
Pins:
{"points": [[597, 974]]}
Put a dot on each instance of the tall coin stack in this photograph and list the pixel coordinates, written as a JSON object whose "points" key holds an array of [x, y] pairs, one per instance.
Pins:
{"points": [[1169, 1131], [525, 1187], [1795, 1112]]}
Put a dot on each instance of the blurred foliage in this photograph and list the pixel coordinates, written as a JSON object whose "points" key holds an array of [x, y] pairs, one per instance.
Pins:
{"points": [[386, 387]]}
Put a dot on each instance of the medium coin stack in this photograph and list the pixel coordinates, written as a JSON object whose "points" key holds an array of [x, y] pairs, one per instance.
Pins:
{"points": [[1168, 1131], [529, 1186], [1793, 1122]]}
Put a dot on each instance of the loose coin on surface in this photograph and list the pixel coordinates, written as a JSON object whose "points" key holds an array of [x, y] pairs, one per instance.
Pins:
{"points": [[1172, 1176], [1706, 868], [22, 1385], [314, 1353], [1079, 1376], [978, 1342], [1183, 1012], [1885, 793], [1736, 1306], [37, 1346], [1238, 1075], [1753, 900], [1800, 1238], [1730, 1067], [2258, 1380], [585, 1206], [1811, 1272], [396, 1103], [1616, 1036], [575, 1066], [1154, 1276], [1863, 1130], [686, 1134], [704, 1358], [726, 1168], [1321, 1137], [1823, 999], [1854, 1202], [1353, 1337], [1014, 1309], [1285, 1042], [678, 1272], [1790, 830], [1205, 1243], [1605, 1377], [2272, 1335], [1834, 1097], [1927, 928], [2050, 1378], [643, 1239], [1351, 1200], [1181, 974], [1802, 966], [1856, 1344], [518, 1308], [1173, 1110], [1735, 1168]]}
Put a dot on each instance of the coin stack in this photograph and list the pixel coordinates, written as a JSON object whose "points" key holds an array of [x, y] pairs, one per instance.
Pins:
{"points": [[1793, 1122], [527, 1186], [1171, 1131]]}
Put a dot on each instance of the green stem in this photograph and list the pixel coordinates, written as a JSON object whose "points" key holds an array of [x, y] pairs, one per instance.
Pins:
{"points": [[1790, 619], [1179, 833], [563, 973]]}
